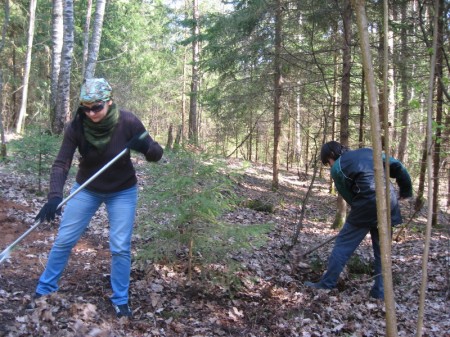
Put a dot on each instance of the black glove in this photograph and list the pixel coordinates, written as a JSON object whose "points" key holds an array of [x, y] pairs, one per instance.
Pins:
{"points": [[139, 143], [48, 211]]}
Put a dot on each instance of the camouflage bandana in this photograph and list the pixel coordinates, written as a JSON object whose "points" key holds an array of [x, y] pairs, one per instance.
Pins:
{"points": [[95, 90]]}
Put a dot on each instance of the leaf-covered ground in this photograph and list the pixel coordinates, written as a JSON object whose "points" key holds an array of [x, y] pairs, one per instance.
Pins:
{"points": [[266, 298]]}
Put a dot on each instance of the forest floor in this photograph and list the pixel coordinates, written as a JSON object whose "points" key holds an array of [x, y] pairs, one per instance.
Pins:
{"points": [[270, 298]]}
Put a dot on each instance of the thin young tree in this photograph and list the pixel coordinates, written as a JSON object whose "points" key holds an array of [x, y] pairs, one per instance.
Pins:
{"points": [[278, 87], [429, 142], [184, 81], [193, 108], [86, 31], [439, 113], [341, 211], [26, 77], [402, 69], [382, 215], [94, 45], [386, 109], [3, 151]]}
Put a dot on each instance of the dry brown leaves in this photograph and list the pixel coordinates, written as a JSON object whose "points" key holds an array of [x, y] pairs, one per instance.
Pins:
{"points": [[269, 298]]}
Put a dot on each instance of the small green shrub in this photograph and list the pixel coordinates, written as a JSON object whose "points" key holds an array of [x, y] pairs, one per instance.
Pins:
{"points": [[260, 205], [356, 265], [316, 264], [34, 153], [180, 217]]}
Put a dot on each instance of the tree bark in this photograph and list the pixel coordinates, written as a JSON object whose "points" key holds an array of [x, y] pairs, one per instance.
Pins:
{"points": [[63, 102], [94, 45], [3, 152], [26, 77], [362, 112], [403, 143], [385, 239], [386, 111], [429, 141], [439, 115], [446, 140], [341, 211], [422, 172], [277, 92], [298, 128], [193, 109], [86, 31], [57, 45]]}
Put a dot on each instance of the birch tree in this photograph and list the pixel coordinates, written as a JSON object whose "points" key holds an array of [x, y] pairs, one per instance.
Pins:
{"points": [[63, 101], [86, 36], [57, 44], [94, 44], [26, 77]]}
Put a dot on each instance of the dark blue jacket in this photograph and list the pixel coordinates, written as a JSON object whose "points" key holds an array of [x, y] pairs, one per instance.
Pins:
{"points": [[354, 177]]}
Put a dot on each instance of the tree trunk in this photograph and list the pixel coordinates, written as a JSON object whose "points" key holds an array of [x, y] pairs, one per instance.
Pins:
{"points": [[386, 111], [63, 101], [3, 152], [421, 186], [277, 91], [423, 288], [94, 45], [26, 77], [403, 143], [298, 128], [341, 211], [333, 116], [86, 31], [57, 44], [169, 145], [193, 110], [385, 239], [361, 112], [439, 116], [446, 141], [14, 103]]}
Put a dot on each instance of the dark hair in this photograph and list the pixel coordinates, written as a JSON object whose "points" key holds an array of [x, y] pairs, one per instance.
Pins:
{"points": [[331, 150]]}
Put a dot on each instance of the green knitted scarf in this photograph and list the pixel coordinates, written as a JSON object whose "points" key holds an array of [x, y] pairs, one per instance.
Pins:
{"points": [[99, 134]]}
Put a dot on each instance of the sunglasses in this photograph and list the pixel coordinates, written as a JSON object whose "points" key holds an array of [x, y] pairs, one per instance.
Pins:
{"points": [[95, 108]]}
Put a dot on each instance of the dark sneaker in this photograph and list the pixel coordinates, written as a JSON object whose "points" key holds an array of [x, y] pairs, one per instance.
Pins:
{"points": [[317, 285], [376, 294], [122, 310], [32, 303]]}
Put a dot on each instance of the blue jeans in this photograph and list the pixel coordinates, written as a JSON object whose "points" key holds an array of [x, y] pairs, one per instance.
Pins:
{"points": [[346, 243], [121, 208]]}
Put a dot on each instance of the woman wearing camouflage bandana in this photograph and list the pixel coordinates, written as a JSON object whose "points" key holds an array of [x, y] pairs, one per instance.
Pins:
{"points": [[99, 131]]}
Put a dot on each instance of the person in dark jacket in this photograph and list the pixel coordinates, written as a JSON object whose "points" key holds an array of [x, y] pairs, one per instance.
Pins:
{"points": [[100, 131], [354, 178]]}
